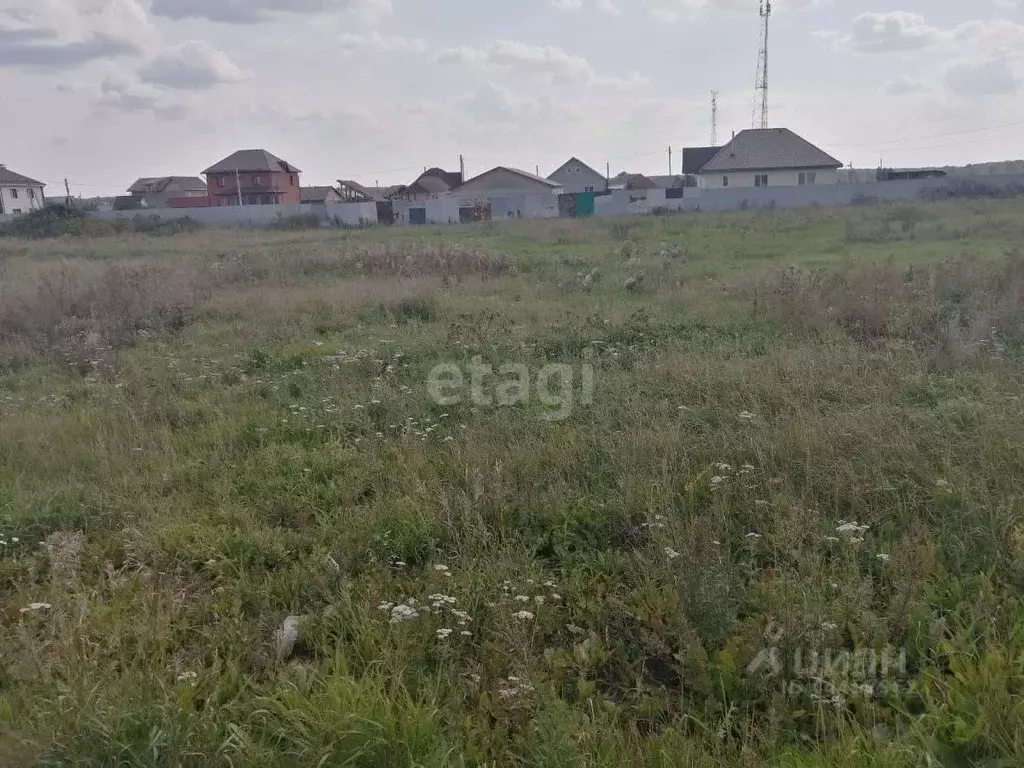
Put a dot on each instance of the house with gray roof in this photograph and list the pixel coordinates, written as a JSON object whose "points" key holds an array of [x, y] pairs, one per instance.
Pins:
{"points": [[768, 157], [253, 177], [19, 194], [156, 191], [575, 176]]}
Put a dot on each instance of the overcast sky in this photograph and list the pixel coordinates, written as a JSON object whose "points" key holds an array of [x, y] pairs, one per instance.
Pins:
{"points": [[105, 91]]}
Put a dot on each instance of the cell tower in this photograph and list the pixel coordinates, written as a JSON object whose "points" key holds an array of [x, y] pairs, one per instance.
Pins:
{"points": [[714, 118], [760, 117]]}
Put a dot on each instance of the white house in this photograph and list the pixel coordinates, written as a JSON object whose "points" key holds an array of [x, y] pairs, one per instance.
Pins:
{"points": [[511, 193], [576, 176], [19, 194], [768, 157]]}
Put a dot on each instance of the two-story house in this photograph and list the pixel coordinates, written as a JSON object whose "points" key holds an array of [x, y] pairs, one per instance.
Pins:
{"points": [[19, 194], [253, 177]]}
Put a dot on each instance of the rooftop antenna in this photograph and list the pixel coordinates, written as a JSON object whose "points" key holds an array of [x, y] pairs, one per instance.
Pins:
{"points": [[761, 87], [714, 118]]}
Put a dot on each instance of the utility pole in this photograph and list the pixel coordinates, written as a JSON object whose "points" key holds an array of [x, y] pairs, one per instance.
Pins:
{"points": [[608, 174], [67, 192], [714, 118], [670, 160], [760, 117], [462, 167], [238, 187]]}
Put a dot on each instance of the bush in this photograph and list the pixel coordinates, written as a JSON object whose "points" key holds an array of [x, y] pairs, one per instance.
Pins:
{"points": [[297, 223]]}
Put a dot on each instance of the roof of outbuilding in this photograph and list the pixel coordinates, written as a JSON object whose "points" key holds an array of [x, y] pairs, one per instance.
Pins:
{"points": [[315, 194], [524, 174], [695, 158], [251, 160], [575, 161], [9, 177], [766, 149], [160, 183]]}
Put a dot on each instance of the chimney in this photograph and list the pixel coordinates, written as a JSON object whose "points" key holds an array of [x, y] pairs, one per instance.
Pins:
{"points": [[734, 134]]}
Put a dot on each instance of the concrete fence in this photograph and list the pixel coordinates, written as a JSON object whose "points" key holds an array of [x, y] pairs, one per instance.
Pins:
{"points": [[445, 210]]}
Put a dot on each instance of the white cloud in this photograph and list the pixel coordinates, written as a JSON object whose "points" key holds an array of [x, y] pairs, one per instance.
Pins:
{"points": [[253, 11], [193, 65], [541, 60], [65, 33], [904, 86], [351, 42], [986, 77], [124, 95]]}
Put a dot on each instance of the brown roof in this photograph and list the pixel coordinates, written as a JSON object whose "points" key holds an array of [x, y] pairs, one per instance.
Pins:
{"points": [[524, 174], [9, 177], [767, 149], [250, 160]]}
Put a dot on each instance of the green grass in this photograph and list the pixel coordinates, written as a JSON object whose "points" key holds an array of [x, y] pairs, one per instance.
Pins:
{"points": [[201, 435]]}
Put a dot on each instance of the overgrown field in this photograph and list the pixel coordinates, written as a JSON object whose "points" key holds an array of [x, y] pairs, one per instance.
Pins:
{"points": [[786, 530]]}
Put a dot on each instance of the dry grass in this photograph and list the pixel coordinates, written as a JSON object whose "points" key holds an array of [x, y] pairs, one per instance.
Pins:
{"points": [[799, 441]]}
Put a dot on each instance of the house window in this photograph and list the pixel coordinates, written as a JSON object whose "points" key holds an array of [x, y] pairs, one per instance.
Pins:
{"points": [[291, 180], [256, 181], [761, 180], [588, 189], [807, 178], [31, 194], [14, 194], [16, 210], [725, 181], [220, 182]]}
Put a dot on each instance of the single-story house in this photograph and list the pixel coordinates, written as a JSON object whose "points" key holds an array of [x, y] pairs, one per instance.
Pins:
{"points": [[157, 191], [510, 192], [430, 185], [19, 194], [633, 181], [769, 157], [321, 195], [575, 176]]}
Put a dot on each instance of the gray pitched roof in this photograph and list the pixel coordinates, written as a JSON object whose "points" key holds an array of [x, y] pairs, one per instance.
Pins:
{"points": [[9, 177], [575, 161], [695, 158], [316, 194], [524, 174], [251, 160], [668, 182], [766, 149], [160, 183]]}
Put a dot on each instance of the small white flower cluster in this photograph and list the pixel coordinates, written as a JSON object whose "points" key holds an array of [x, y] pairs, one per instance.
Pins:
{"points": [[746, 416], [658, 524], [4, 542], [513, 688], [444, 570], [524, 616], [853, 531], [671, 554], [187, 677], [753, 536], [401, 612]]}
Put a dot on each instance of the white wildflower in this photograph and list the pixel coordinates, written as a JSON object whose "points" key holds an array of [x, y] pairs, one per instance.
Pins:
{"points": [[753, 535], [187, 677], [402, 613], [828, 626], [15, 539], [466, 633], [524, 616], [550, 585], [441, 568], [385, 607], [556, 597], [717, 480], [746, 416], [883, 558], [539, 600], [671, 554], [442, 634], [522, 598], [723, 467]]}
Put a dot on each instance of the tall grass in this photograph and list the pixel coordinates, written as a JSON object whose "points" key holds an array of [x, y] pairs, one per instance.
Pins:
{"points": [[803, 446]]}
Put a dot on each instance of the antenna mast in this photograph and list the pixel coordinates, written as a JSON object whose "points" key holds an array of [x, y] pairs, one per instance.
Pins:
{"points": [[760, 116], [714, 118]]}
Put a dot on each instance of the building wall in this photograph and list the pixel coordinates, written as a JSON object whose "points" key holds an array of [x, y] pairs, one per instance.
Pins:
{"points": [[501, 181], [576, 178], [787, 178], [28, 199], [288, 184]]}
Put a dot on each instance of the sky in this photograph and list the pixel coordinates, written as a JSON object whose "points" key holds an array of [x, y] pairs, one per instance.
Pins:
{"points": [[102, 92]]}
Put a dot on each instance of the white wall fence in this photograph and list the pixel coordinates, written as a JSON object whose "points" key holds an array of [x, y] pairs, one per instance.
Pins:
{"points": [[338, 214], [445, 209]]}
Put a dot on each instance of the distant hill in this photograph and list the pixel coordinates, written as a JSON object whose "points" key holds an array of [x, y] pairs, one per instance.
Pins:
{"points": [[975, 169]]}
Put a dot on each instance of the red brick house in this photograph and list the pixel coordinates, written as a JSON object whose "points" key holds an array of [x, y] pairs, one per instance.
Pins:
{"points": [[253, 177]]}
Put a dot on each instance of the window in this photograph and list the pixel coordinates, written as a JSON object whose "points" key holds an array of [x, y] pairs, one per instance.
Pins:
{"points": [[761, 180], [291, 180], [725, 181], [14, 194], [220, 182], [807, 178], [256, 180], [588, 189], [16, 210], [31, 194]]}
